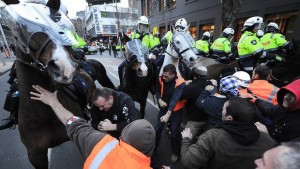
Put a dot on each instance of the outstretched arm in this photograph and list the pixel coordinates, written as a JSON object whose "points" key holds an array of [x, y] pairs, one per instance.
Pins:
{"points": [[50, 99]]}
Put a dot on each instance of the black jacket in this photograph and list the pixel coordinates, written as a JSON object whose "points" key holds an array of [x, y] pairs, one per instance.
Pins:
{"points": [[191, 93], [122, 113], [213, 106], [285, 124]]}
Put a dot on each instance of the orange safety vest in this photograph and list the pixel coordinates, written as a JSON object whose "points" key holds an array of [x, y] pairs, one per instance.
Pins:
{"points": [[264, 90], [109, 153], [180, 104], [261, 89]]}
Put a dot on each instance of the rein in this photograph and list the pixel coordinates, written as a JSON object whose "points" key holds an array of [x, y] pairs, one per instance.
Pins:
{"points": [[36, 63]]}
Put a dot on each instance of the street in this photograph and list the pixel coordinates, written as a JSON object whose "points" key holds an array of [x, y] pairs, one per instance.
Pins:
{"points": [[13, 153]]}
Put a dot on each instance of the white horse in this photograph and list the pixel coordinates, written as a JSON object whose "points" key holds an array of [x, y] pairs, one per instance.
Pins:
{"points": [[180, 47]]}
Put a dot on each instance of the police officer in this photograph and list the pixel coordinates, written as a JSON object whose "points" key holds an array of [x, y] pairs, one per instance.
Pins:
{"points": [[202, 45], [144, 35], [156, 38], [221, 48], [274, 43], [180, 25], [249, 47]]}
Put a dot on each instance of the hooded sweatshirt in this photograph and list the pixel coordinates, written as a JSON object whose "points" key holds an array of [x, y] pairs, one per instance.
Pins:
{"points": [[285, 126]]}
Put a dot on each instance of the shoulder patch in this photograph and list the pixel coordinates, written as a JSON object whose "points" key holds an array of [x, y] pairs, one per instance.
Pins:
{"points": [[253, 42], [72, 119]]}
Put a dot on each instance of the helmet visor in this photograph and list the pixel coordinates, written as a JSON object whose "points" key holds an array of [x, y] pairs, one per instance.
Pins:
{"points": [[27, 19], [136, 48]]}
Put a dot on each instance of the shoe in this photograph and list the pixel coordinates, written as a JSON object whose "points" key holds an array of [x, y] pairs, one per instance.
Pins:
{"points": [[174, 158], [7, 123]]}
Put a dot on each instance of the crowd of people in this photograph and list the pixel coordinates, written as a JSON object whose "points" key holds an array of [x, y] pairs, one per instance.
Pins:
{"points": [[238, 121]]}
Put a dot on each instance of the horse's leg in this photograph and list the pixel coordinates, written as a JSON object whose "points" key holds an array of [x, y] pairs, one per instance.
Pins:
{"points": [[38, 158], [102, 77], [143, 107]]}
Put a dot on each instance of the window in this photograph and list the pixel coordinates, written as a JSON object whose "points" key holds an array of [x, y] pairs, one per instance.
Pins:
{"points": [[210, 27], [193, 31], [285, 21], [162, 30], [162, 5], [238, 28], [144, 7], [105, 14], [149, 7]]}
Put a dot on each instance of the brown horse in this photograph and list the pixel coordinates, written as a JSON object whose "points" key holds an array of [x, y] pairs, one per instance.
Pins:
{"points": [[44, 59]]}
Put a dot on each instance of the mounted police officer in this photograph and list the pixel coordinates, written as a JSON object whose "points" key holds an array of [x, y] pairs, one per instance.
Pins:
{"points": [[274, 43], [180, 25], [202, 45], [147, 39], [221, 48], [250, 48]]}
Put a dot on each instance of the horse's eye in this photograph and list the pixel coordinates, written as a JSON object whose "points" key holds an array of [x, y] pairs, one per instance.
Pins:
{"points": [[177, 42]]}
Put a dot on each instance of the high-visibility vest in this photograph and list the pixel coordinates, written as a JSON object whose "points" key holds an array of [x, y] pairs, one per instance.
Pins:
{"points": [[109, 153], [180, 104], [273, 41], [243, 93], [264, 90]]}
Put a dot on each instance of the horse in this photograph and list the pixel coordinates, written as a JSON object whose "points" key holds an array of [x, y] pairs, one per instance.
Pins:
{"points": [[44, 58], [138, 73], [180, 48]]}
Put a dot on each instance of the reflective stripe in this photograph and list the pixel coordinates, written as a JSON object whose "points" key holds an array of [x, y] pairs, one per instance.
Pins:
{"points": [[272, 95], [257, 51], [103, 153], [244, 56], [248, 68]]}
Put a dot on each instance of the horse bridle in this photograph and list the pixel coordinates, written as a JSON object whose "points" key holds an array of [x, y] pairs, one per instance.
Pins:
{"points": [[176, 49], [36, 63]]}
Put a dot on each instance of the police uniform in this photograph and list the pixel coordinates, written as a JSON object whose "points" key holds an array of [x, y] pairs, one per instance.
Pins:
{"points": [[147, 39], [168, 36], [221, 49], [250, 50], [273, 43], [122, 113], [203, 47]]}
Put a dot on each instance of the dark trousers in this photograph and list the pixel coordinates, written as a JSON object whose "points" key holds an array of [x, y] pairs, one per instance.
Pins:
{"points": [[175, 121]]}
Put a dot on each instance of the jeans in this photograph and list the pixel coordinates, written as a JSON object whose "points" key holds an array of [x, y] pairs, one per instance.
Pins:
{"points": [[175, 121]]}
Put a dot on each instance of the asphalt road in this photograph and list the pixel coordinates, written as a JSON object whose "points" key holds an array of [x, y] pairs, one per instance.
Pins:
{"points": [[13, 154]]}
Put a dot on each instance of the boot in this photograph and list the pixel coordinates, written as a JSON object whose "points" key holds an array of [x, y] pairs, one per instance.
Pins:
{"points": [[9, 122]]}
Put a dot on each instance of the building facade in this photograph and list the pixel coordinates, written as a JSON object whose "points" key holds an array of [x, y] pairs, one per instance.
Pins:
{"points": [[206, 15], [104, 21]]}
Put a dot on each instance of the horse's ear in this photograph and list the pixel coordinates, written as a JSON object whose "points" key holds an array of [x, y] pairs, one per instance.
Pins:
{"points": [[187, 28], [53, 4], [174, 30], [7, 2]]}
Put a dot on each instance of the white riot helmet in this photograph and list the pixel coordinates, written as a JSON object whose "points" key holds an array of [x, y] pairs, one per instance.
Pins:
{"points": [[228, 31], [207, 34], [243, 78], [143, 20], [181, 24], [260, 33], [272, 27], [256, 20]]}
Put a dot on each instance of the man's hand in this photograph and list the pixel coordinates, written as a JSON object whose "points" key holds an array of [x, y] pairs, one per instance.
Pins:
{"points": [[186, 133], [209, 88], [106, 125], [214, 82], [166, 117], [261, 127], [44, 96], [162, 103], [187, 82]]}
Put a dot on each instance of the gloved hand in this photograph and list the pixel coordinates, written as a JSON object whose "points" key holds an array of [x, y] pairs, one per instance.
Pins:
{"points": [[278, 58], [152, 56]]}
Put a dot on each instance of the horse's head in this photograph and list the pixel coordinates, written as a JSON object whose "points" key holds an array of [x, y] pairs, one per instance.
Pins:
{"points": [[182, 47], [44, 39], [136, 56]]}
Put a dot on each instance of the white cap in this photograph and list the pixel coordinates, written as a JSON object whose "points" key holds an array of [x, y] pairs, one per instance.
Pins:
{"points": [[206, 34], [228, 31], [273, 25], [243, 78]]}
